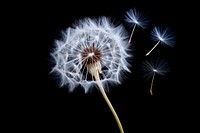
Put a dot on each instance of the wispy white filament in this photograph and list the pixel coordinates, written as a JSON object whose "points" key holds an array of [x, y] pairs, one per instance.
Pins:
{"points": [[135, 17], [163, 35], [154, 66]]}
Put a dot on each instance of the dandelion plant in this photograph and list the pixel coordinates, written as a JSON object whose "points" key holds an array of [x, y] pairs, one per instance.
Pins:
{"points": [[163, 36], [151, 67], [92, 52], [135, 18]]}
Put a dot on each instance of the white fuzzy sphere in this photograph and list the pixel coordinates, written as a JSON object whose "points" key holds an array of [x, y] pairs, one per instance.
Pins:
{"points": [[98, 39]]}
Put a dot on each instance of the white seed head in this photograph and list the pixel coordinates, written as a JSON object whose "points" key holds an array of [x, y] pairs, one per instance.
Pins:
{"points": [[164, 35], [90, 45], [156, 65], [135, 17]]}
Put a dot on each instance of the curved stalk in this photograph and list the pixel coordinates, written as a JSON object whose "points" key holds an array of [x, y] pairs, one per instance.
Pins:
{"points": [[151, 92], [99, 83], [131, 34], [153, 48]]}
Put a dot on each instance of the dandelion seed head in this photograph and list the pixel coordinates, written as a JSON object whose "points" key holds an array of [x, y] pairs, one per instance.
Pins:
{"points": [[91, 43], [134, 17], [164, 35], [156, 65]]}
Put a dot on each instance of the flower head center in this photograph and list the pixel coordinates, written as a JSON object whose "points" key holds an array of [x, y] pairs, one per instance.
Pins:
{"points": [[91, 55], [91, 58]]}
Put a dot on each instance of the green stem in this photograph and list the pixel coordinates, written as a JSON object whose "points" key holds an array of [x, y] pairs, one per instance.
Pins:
{"points": [[99, 83]]}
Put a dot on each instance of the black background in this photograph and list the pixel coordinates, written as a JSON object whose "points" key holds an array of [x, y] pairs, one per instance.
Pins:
{"points": [[34, 102]]}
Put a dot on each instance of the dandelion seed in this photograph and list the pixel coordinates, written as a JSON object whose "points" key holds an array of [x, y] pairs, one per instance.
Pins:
{"points": [[162, 36], [93, 52], [154, 66], [135, 18]]}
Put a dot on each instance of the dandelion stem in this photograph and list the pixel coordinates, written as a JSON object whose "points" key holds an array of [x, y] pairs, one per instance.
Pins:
{"points": [[151, 92], [131, 34], [99, 83], [153, 48]]}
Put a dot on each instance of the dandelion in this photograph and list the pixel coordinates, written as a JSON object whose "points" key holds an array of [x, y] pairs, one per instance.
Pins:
{"points": [[135, 18], [162, 36], [152, 67], [92, 52]]}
